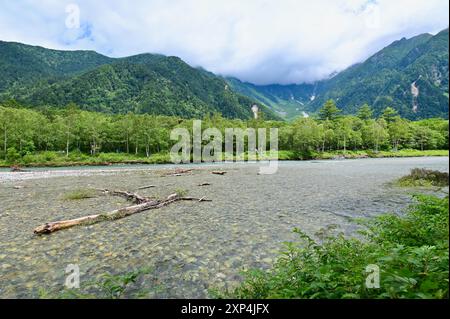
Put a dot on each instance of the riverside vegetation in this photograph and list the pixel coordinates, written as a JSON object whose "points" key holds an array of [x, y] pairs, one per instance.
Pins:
{"points": [[71, 136], [424, 178], [411, 252]]}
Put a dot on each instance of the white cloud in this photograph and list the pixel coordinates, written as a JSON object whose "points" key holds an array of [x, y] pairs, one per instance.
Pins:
{"points": [[261, 41]]}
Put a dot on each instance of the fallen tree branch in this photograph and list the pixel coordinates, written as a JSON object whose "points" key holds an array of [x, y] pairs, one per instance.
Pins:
{"points": [[179, 172], [203, 199], [204, 184], [112, 215], [135, 198], [145, 187], [218, 172]]}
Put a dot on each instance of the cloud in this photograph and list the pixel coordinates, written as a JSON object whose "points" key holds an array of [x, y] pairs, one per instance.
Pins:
{"points": [[260, 41]]}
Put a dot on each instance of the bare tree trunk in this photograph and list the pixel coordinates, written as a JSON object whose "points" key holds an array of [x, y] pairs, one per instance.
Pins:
{"points": [[128, 144], [67, 145], [5, 142], [395, 146], [93, 147]]}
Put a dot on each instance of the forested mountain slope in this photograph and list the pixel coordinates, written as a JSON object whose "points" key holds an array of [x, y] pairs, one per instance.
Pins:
{"points": [[145, 83], [410, 75]]}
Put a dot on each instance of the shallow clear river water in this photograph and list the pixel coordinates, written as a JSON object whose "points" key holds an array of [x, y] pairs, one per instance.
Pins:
{"points": [[191, 247]]}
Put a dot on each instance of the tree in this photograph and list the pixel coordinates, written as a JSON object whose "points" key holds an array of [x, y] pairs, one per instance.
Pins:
{"points": [[125, 126], [426, 138], [7, 120], [44, 130], [95, 126], [374, 134], [327, 133], [389, 114], [67, 122], [286, 134], [344, 132], [306, 135], [365, 113], [329, 111], [24, 131], [399, 131]]}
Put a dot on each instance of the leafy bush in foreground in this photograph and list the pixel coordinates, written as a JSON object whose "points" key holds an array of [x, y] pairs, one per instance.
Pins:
{"points": [[411, 252]]}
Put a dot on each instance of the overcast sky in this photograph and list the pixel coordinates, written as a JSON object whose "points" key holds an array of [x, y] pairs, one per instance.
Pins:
{"points": [[260, 41]]}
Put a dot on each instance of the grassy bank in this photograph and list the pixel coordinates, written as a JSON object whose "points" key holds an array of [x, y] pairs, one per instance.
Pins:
{"points": [[410, 253], [55, 159], [290, 155]]}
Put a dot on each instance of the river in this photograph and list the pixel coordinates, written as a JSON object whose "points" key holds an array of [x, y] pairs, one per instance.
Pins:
{"points": [[190, 246]]}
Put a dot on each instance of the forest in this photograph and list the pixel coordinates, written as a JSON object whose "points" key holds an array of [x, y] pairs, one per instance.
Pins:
{"points": [[30, 135]]}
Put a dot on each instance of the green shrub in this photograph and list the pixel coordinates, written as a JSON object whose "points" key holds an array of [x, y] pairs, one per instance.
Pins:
{"points": [[108, 286], [12, 155], [424, 177], [49, 156], [77, 156], [80, 194], [27, 148], [410, 251]]}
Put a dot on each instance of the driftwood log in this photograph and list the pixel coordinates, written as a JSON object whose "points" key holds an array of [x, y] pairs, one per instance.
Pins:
{"points": [[204, 184], [141, 204], [16, 168], [219, 172], [179, 172], [145, 187]]}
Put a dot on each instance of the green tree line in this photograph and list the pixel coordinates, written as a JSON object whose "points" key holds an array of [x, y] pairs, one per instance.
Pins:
{"points": [[26, 131]]}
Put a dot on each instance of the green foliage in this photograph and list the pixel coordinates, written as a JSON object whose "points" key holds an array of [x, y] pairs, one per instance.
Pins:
{"points": [[181, 192], [424, 177], [389, 114], [75, 137], [156, 84], [365, 112], [81, 193], [108, 286], [147, 83], [411, 252], [329, 111], [12, 155], [114, 286]]}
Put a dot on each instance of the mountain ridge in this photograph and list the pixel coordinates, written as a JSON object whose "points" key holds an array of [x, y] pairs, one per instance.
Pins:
{"points": [[410, 75], [143, 83], [384, 79]]}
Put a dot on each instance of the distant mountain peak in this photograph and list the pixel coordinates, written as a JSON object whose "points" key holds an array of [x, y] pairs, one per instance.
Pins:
{"points": [[384, 79]]}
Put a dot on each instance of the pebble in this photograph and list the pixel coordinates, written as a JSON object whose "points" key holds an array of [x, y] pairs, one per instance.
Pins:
{"points": [[221, 275]]}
